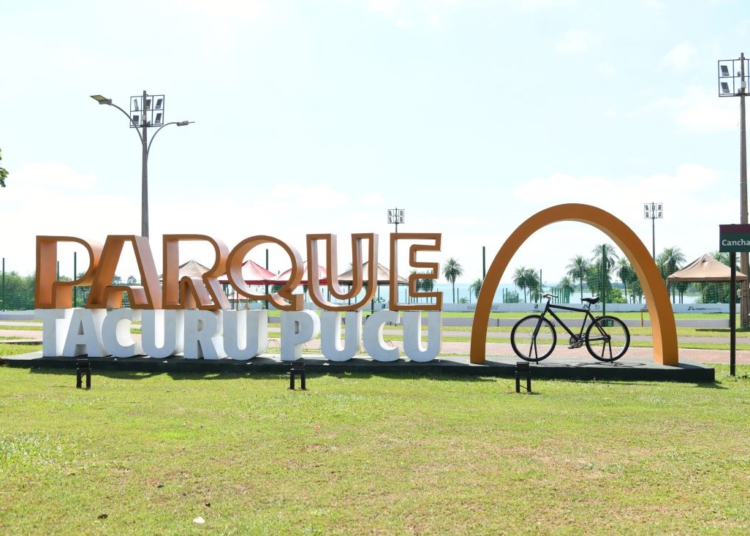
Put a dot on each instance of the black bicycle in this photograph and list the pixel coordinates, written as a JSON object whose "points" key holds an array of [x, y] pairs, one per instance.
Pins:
{"points": [[533, 337]]}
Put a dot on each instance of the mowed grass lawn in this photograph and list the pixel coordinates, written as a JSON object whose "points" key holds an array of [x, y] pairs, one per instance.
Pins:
{"points": [[385, 454]]}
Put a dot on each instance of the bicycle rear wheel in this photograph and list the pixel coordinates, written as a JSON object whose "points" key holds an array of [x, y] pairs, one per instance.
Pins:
{"points": [[533, 338], [607, 338]]}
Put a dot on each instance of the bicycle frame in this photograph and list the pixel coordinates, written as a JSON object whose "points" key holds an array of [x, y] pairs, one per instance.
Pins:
{"points": [[548, 308]]}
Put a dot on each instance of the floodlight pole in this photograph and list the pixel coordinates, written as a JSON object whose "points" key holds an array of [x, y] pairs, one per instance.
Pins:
{"points": [[725, 90], [744, 298], [142, 131], [396, 216], [144, 174], [653, 211]]}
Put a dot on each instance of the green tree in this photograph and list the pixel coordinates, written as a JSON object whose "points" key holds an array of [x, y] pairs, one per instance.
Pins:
{"points": [[476, 287], [604, 260], [534, 283], [595, 278], [669, 261], [566, 288], [608, 252], [3, 171], [636, 291], [452, 271], [577, 269], [427, 285], [625, 272], [18, 292], [519, 279], [510, 296], [716, 292]]}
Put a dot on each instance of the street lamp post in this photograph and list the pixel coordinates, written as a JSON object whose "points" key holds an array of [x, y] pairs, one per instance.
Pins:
{"points": [[146, 111], [653, 211], [732, 83], [396, 216]]}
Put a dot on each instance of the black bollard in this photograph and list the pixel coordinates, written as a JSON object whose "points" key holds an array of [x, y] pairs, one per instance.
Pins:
{"points": [[83, 367], [297, 368], [523, 368]]}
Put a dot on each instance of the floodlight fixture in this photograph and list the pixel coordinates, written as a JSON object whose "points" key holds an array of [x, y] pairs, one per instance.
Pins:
{"points": [[101, 100], [724, 88], [142, 117], [724, 70], [396, 216], [653, 211]]}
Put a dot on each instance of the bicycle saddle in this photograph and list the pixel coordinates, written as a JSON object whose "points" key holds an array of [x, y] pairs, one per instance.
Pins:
{"points": [[591, 301]]}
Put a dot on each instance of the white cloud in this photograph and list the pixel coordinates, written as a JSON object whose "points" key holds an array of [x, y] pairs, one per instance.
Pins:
{"points": [[574, 42], [607, 69], [654, 4], [538, 5], [382, 5], [700, 110], [562, 188], [372, 199], [679, 58], [52, 174], [244, 10]]}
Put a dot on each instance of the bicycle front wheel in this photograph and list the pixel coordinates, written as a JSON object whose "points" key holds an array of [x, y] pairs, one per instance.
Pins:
{"points": [[607, 338], [533, 338]]}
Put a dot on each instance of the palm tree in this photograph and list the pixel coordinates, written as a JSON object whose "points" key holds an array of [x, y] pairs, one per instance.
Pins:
{"points": [[669, 262], [608, 252], [452, 271], [604, 260], [534, 284], [577, 270], [519, 279], [625, 273], [476, 287], [566, 288], [427, 284]]}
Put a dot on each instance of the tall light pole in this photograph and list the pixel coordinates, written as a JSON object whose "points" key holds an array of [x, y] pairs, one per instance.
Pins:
{"points": [[396, 216], [146, 111], [653, 211], [732, 83]]}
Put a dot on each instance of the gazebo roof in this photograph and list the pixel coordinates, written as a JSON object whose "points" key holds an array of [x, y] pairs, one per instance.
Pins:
{"points": [[705, 269], [283, 277], [252, 273], [190, 269], [383, 275]]}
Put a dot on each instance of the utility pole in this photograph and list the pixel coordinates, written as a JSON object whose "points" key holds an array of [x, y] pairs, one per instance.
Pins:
{"points": [[732, 83]]}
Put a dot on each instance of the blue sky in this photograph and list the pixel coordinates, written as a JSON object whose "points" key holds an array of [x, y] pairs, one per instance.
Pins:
{"points": [[318, 116]]}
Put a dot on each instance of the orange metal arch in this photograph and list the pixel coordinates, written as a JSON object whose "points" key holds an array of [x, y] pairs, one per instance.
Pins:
{"points": [[657, 298]]}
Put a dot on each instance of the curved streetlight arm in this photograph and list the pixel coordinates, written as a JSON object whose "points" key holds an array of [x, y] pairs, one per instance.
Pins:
{"points": [[128, 116], [178, 123]]}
